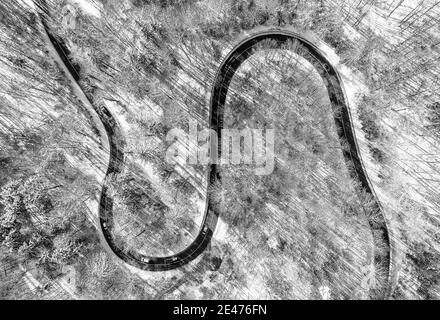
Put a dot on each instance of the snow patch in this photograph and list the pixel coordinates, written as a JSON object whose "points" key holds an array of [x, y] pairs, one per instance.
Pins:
{"points": [[325, 292], [87, 7], [220, 230]]}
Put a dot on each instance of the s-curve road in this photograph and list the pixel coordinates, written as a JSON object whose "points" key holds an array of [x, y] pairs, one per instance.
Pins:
{"points": [[241, 52]]}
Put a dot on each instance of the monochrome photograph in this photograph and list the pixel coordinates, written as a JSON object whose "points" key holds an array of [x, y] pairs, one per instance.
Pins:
{"points": [[230, 152]]}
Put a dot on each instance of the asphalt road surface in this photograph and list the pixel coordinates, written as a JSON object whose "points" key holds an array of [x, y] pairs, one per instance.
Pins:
{"points": [[229, 66]]}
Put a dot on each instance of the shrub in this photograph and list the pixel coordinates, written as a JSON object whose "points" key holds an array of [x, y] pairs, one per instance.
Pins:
{"points": [[434, 118]]}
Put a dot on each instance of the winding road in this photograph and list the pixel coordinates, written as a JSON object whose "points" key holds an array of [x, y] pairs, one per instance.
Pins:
{"points": [[228, 67]]}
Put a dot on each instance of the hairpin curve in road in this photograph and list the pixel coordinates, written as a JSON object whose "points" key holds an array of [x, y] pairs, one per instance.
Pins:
{"points": [[227, 69]]}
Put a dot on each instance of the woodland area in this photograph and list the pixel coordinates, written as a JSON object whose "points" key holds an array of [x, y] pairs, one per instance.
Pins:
{"points": [[296, 233]]}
